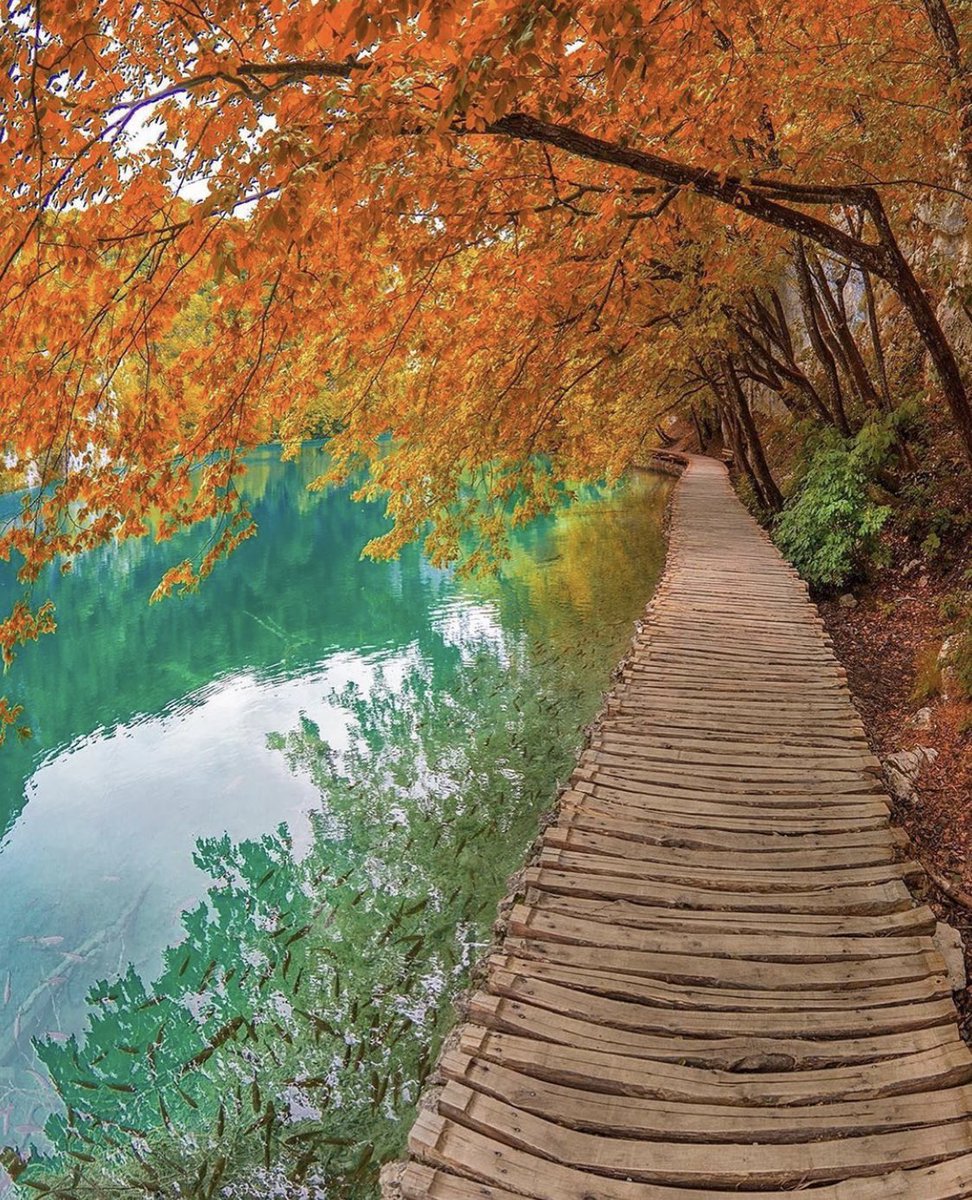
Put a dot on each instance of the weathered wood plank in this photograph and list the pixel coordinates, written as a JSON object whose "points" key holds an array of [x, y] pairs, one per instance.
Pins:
{"points": [[724, 1165], [620, 1014], [670, 1120], [915, 922], [628, 821], [578, 836], [771, 947], [868, 899], [741, 1053], [734, 972], [600, 1069], [726, 879], [665, 994]]}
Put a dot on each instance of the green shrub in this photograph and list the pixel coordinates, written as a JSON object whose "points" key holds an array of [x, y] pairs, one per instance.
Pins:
{"points": [[830, 526]]}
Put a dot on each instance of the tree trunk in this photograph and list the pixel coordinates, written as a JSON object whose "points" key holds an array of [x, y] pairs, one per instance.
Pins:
{"points": [[698, 430], [809, 305], [937, 344], [855, 365], [876, 346], [732, 435], [774, 498], [774, 374]]}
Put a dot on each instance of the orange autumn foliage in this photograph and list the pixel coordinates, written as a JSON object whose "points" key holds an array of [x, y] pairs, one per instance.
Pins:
{"points": [[454, 235]]}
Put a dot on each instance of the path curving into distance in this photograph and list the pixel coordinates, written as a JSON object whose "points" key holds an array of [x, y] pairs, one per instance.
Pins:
{"points": [[716, 981]]}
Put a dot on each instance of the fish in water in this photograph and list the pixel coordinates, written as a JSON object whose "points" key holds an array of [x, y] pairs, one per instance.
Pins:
{"points": [[56, 980], [6, 991], [46, 942]]}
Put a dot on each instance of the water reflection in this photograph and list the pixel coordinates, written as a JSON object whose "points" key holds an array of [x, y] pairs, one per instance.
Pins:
{"points": [[423, 721]]}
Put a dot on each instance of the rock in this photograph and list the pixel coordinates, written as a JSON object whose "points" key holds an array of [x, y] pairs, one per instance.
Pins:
{"points": [[390, 1181], [946, 217], [946, 663], [922, 718], [847, 601], [948, 942], [910, 567], [901, 770]]}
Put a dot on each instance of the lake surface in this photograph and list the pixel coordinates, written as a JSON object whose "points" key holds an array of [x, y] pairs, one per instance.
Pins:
{"points": [[178, 972]]}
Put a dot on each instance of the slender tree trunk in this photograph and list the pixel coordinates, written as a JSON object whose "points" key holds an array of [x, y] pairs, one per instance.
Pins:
{"points": [[939, 349], [698, 430], [856, 368], [783, 324], [773, 373], [950, 48], [732, 435], [821, 350], [774, 498], [840, 361], [876, 346]]}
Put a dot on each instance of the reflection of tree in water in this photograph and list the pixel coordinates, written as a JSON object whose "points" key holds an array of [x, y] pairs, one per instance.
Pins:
{"points": [[578, 578], [287, 1037]]}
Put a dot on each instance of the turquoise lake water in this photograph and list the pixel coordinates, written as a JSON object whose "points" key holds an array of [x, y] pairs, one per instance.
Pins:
{"points": [[406, 725]]}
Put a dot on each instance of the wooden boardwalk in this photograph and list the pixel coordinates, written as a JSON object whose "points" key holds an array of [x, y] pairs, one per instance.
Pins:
{"points": [[717, 982]]}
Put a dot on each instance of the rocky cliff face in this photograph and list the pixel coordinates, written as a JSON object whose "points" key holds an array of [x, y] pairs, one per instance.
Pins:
{"points": [[950, 258]]}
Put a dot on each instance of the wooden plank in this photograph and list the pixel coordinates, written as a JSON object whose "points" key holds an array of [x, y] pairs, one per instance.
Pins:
{"points": [[669, 1120], [734, 972], [767, 704], [639, 823], [680, 792], [600, 1069], [534, 922], [741, 1053], [631, 711], [726, 1165], [788, 684], [665, 994], [666, 641], [776, 779], [421, 1182], [914, 922], [579, 837], [676, 748], [726, 880], [865, 900], [793, 1023], [754, 806], [739, 750], [448, 1145]]}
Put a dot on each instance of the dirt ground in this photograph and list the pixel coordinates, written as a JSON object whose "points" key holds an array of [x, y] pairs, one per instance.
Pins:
{"points": [[889, 642]]}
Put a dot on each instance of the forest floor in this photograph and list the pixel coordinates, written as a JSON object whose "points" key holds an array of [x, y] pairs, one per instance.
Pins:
{"points": [[889, 644]]}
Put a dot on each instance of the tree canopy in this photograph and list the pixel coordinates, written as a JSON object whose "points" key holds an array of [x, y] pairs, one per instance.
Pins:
{"points": [[480, 245]]}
